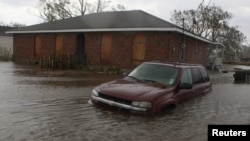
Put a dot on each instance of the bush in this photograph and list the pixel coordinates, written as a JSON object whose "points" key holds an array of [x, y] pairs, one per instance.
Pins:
{"points": [[5, 54]]}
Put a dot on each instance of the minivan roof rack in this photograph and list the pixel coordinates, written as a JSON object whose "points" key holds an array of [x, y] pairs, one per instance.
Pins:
{"points": [[175, 63]]}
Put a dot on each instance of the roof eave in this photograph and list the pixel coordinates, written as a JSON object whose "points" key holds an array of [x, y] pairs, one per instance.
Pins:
{"points": [[93, 30], [171, 29]]}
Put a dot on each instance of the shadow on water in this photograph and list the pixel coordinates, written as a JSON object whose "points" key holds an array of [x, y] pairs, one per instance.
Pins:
{"points": [[53, 105], [65, 78]]}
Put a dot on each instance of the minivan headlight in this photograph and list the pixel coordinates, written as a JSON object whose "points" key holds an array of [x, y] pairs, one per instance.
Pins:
{"points": [[95, 93], [142, 104]]}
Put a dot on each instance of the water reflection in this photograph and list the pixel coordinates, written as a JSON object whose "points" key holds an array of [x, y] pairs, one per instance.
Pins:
{"points": [[46, 105]]}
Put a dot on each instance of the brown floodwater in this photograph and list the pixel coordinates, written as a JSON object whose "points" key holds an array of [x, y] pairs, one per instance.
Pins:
{"points": [[37, 105]]}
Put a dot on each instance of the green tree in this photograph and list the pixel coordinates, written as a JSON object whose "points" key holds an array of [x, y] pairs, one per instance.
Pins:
{"points": [[204, 21], [16, 25], [52, 10], [211, 22], [233, 39], [12, 24]]}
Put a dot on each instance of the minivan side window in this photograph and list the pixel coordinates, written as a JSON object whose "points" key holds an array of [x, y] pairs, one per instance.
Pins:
{"points": [[197, 76], [187, 77], [204, 74]]}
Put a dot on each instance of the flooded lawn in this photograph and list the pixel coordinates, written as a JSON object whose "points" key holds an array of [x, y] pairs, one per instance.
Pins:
{"points": [[47, 105]]}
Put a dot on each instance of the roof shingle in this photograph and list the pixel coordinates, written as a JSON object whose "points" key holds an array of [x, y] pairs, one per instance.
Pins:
{"points": [[105, 20], [135, 20]]}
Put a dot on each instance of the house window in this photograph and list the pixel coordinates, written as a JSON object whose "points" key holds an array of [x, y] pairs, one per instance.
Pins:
{"points": [[106, 47], [138, 52], [59, 45], [38, 48]]}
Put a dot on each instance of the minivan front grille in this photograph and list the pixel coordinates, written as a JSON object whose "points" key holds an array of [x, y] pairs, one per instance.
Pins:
{"points": [[115, 99]]}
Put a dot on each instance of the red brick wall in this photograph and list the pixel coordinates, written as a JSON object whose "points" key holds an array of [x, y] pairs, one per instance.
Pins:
{"points": [[23, 48], [166, 45], [49, 41], [122, 43], [69, 43], [122, 49], [120, 52], [159, 46], [195, 51], [47, 45], [92, 48], [162, 46], [24, 45]]}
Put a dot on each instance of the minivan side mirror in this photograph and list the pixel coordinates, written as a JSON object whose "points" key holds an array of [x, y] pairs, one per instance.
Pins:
{"points": [[125, 73], [185, 86]]}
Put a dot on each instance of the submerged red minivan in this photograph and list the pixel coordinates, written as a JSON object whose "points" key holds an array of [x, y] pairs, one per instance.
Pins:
{"points": [[153, 86]]}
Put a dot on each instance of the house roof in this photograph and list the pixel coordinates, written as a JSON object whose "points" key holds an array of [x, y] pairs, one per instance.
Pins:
{"points": [[99, 21], [135, 20], [3, 29]]}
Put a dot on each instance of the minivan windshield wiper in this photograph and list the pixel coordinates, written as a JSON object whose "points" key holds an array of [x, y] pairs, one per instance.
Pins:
{"points": [[135, 78], [148, 80], [155, 83]]}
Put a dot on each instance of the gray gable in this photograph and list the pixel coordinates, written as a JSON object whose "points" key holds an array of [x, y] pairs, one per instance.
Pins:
{"points": [[106, 20]]}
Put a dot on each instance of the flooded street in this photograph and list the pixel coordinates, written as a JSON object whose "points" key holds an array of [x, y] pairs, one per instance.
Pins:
{"points": [[37, 105]]}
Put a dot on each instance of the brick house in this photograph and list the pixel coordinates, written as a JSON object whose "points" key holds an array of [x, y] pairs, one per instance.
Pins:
{"points": [[122, 39]]}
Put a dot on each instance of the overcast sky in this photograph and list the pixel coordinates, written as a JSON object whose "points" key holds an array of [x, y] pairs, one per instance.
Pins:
{"points": [[24, 11]]}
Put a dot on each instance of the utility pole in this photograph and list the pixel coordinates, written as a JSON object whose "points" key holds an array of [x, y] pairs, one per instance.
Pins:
{"points": [[182, 48]]}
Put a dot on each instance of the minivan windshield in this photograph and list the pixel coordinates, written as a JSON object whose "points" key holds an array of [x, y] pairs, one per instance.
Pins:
{"points": [[155, 73]]}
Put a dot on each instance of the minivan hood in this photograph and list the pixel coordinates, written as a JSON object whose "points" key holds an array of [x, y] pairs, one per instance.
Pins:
{"points": [[131, 90]]}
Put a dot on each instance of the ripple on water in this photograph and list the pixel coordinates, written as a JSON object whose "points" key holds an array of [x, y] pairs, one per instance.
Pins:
{"points": [[50, 106]]}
